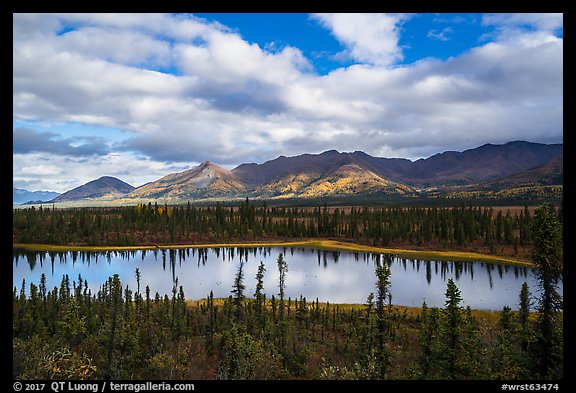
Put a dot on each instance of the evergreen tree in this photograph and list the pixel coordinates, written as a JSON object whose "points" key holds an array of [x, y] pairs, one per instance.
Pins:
{"points": [[238, 291], [138, 277], [453, 325], [382, 318], [259, 297], [523, 315], [428, 335], [547, 256], [211, 325], [368, 335], [116, 299], [503, 363], [282, 270]]}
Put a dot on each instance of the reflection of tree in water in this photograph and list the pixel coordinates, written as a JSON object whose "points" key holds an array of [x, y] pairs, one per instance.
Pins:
{"points": [[457, 270], [31, 261], [489, 269], [443, 269], [172, 259], [172, 256]]}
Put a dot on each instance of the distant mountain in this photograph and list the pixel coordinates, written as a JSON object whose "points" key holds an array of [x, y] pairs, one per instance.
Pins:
{"points": [[313, 165], [471, 166], [315, 175], [549, 174], [20, 195], [316, 165], [106, 187], [487, 162], [329, 174], [205, 180]]}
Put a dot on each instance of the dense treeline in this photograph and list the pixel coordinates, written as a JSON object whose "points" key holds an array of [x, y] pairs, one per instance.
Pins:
{"points": [[126, 333], [455, 227]]}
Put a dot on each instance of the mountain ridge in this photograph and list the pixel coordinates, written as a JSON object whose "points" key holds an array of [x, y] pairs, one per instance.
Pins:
{"points": [[21, 196], [207, 176], [332, 173], [105, 187]]}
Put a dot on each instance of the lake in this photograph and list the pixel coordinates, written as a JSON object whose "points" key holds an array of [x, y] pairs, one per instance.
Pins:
{"points": [[334, 276]]}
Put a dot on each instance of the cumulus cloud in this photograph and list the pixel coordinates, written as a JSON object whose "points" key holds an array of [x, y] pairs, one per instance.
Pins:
{"points": [[369, 38], [190, 90], [117, 46], [27, 141]]}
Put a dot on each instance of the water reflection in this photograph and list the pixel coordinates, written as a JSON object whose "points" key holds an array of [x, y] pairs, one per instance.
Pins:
{"points": [[338, 277]]}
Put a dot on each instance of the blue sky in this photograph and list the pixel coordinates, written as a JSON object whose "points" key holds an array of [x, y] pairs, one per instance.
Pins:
{"points": [[275, 31], [427, 35], [138, 96]]}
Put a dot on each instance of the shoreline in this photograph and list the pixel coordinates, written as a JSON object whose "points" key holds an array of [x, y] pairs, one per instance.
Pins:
{"points": [[413, 311], [328, 245]]}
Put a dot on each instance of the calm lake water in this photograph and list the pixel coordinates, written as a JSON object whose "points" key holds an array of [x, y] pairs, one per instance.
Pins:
{"points": [[334, 276]]}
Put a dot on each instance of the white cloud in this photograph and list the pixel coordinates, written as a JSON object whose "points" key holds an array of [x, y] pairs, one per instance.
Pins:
{"points": [[117, 46], [525, 28], [443, 35], [542, 22], [61, 173], [230, 101], [369, 38]]}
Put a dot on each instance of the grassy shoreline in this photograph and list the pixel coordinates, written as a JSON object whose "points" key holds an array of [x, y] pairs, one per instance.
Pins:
{"points": [[329, 245], [410, 311]]}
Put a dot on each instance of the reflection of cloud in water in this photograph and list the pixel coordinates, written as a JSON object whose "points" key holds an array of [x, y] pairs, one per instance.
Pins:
{"points": [[336, 279], [329, 276]]}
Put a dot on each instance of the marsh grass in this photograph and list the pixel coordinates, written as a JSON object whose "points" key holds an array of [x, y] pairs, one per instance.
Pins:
{"points": [[329, 245]]}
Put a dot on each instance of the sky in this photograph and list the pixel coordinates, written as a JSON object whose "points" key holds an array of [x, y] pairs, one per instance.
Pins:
{"points": [[139, 96]]}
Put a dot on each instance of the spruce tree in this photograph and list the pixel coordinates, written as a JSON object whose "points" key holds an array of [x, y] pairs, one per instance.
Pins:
{"points": [[138, 277], [453, 322], [259, 297], [428, 335], [547, 256], [523, 315], [503, 362], [282, 270], [238, 291], [116, 300], [382, 318]]}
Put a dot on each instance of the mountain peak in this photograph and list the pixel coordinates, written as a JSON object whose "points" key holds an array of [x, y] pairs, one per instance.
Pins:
{"points": [[331, 152], [103, 187], [205, 180], [209, 165]]}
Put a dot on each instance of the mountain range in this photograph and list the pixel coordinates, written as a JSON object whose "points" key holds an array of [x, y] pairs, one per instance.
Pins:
{"points": [[20, 195], [486, 168]]}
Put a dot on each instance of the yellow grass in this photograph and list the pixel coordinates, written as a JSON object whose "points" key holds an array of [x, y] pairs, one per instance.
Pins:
{"points": [[410, 311], [330, 245]]}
